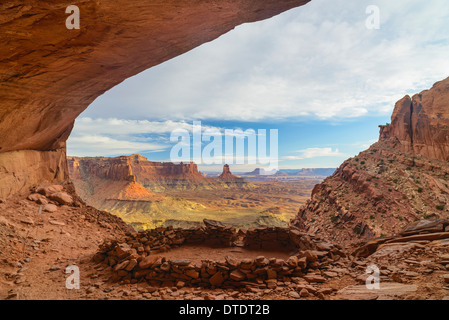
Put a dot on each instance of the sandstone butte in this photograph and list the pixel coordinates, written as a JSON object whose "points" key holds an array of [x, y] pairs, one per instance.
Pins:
{"points": [[228, 176], [50, 74]]}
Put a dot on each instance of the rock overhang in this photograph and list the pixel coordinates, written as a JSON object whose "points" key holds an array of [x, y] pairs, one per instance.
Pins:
{"points": [[50, 74]]}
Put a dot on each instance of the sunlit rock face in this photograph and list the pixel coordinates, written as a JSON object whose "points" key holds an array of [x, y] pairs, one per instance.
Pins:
{"points": [[49, 74], [135, 168], [420, 124]]}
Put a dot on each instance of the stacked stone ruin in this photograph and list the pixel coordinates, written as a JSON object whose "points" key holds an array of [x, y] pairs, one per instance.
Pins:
{"points": [[138, 257]]}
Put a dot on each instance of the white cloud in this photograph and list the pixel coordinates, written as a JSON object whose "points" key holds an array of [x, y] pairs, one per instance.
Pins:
{"points": [[87, 125], [310, 153], [114, 136], [316, 61], [110, 137], [94, 146]]}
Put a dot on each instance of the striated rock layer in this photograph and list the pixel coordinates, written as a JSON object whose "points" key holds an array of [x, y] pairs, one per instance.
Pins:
{"points": [[49, 74], [156, 176], [402, 178]]}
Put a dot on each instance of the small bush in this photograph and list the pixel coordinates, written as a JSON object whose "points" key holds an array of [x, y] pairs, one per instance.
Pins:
{"points": [[440, 207]]}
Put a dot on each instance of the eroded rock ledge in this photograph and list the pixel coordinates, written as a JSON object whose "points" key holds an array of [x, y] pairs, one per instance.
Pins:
{"points": [[49, 75]]}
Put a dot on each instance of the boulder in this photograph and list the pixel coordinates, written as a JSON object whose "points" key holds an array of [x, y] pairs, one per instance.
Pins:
{"points": [[62, 198], [49, 190], [50, 208]]}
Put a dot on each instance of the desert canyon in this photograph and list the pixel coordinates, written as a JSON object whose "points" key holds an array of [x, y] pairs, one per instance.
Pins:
{"points": [[385, 207]]}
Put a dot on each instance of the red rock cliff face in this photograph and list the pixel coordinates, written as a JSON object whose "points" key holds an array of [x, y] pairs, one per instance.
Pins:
{"points": [[118, 169], [138, 169], [49, 75], [400, 179], [420, 124]]}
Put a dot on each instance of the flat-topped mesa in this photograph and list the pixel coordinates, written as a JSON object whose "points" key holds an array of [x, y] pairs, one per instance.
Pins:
{"points": [[420, 124], [136, 168], [49, 75], [118, 169], [147, 170]]}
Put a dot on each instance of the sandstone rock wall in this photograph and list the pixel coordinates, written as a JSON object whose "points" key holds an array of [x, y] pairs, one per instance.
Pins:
{"points": [[420, 124], [21, 169]]}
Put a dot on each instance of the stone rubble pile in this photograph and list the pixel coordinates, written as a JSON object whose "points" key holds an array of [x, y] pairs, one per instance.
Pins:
{"points": [[50, 197]]}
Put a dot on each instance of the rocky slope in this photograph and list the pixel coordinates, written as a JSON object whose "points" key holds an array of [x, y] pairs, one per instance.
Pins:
{"points": [[402, 178], [169, 264]]}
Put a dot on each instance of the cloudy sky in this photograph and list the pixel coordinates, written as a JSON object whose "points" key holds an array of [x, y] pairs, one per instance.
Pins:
{"points": [[316, 73]]}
